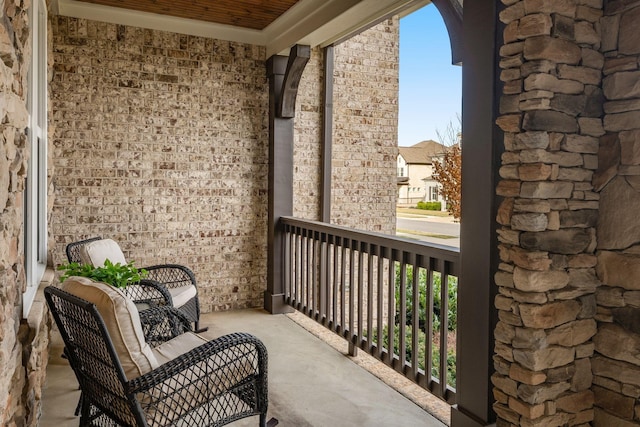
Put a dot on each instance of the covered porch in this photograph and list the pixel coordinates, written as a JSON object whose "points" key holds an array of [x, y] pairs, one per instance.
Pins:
{"points": [[311, 382]]}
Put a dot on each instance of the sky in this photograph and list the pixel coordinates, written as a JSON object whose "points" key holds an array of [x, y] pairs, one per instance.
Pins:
{"points": [[430, 87]]}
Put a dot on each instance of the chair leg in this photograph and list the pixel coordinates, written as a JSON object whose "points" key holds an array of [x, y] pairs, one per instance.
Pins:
{"points": [[272, 422], [197, 328]]}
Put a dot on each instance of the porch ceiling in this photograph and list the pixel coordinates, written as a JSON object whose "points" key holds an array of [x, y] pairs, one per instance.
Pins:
{"points": [[276, 24], [255, 14]]}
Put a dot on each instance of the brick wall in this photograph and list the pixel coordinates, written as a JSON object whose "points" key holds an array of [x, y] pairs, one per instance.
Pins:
{"points": [[366, 129], [161, 143]]}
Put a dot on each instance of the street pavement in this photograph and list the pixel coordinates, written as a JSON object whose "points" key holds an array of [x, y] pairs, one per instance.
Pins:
{"points": [[426, 228]]}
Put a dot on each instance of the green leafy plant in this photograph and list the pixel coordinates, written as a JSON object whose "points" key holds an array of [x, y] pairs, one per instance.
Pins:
{"points": [[116, 275]]}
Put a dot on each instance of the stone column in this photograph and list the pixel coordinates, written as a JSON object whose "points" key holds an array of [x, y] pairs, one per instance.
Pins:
{"points": [[616, 363], [552, 118]]}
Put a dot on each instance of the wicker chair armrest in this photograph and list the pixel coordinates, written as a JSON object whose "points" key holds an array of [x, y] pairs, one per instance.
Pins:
{"points": [[160, 324], [149, 291], [171, 275], [184, 389], [209, 350]]}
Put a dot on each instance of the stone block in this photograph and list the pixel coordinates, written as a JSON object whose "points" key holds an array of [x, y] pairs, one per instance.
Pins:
{"points": [[509, 172], [561, 374], [546, 190], [553, 121], [537, 24], [549, 315], [531, 140], [535, 394], [525, 409], [529, 260], [529, 222], [576, 402], [573, 333], [561, 51], [502, 278], [526, 376], [579, 218], [580, 74], [585, 33], [506, 414], [581, 260], [629, 147], [628, 37], [526, 297], [608, 161], [591, 126], [610, 297], [622, 85], [539, 281], [609, 30], [575, 175], [505, 211], [592, 58], [563, 27], [604, 418], [616, 65], [595, 99], [617, 228], [538, 66], [508, 188], [504, 332], [548, 82], [512, 13], [622, 406], [621, 121], [505, 384], [583, 378], [565, 241], [511, 49], [618, 343], [534, 172], [561, 7], [509, 122], [569, 104], [531, 205], [619, 371], [580, 144]]}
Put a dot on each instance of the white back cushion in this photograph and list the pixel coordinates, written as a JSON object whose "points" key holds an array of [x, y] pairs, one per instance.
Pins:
{"points": [[96, 252], [122, 320]]}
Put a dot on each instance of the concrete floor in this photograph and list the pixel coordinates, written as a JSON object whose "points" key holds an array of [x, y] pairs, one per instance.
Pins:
{"points": [[310, 383]]}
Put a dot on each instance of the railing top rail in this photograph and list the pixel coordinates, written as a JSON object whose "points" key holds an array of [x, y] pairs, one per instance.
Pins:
{"points": [[432, 250]]}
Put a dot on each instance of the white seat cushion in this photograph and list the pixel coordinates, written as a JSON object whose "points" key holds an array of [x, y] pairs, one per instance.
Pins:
{"points": [[177, 346], [96, 252], [182, 294], [122, 320]]}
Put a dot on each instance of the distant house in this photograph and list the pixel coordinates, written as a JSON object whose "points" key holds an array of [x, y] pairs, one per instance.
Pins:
{"points": [[415, 173]]}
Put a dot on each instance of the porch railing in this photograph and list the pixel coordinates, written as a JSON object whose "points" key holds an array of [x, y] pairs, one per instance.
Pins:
{"points": [[381, 293]]}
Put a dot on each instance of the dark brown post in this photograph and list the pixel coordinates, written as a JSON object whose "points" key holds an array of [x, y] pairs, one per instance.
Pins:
{"points": [[478, 243], [284, 75]]}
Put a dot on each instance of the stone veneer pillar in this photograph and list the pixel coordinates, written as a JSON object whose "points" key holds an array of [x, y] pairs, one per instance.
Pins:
{"points": [[616, 363], [551, 115]]}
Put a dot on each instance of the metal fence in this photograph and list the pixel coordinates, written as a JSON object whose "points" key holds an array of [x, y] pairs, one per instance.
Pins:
{"points": [[381, 293]]}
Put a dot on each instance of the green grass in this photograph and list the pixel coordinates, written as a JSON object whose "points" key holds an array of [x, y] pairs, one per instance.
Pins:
{"points": [[420, 233]]}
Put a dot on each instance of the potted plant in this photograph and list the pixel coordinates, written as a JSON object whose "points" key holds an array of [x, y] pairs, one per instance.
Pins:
{"points": [[117, 275]]}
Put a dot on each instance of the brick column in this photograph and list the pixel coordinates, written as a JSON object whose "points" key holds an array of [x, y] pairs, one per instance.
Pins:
{"points": [[551, 114]]}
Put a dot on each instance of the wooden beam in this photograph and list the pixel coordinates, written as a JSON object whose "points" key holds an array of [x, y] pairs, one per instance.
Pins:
{"points": [[451, 11], [284, 75], [298, 58], [481, 149]]}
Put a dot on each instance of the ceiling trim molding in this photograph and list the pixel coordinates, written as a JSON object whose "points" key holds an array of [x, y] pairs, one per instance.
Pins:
{"points": [[154, 21], [308, 22]]}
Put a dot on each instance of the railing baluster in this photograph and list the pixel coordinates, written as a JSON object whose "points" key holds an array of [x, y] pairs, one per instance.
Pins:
{"points": [[444, 327], [402, 336], [360, 292], [353, 350], [391, 302], [324, 273], [334, 295], [382, 255], [370, 286]]}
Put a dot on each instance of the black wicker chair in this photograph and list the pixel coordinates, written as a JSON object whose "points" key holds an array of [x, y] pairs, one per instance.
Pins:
{"points": [[174, 277], [208, 384]]}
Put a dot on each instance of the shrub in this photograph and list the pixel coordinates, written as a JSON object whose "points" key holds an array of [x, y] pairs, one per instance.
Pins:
{"points": [[430, 206]]}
